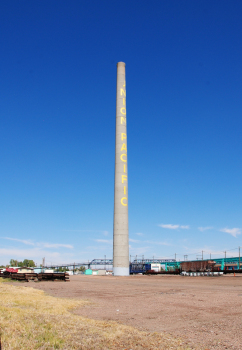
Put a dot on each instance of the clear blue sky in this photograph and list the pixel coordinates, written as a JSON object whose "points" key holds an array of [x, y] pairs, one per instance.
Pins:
{"points": [[184, 107]]}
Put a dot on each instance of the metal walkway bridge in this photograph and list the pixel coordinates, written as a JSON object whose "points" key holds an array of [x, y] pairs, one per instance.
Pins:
{"points": [[107, 262], [83, 263]]}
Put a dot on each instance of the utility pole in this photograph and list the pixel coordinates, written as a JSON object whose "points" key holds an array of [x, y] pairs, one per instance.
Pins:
{"points": [[175, 256], [210, 256], [225, 259], [239, 258], [105, 261], [202, 254], [43, 264]]}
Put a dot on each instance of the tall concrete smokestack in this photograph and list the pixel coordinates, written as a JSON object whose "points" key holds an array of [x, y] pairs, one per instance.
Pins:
{"points": [[120, 225]]}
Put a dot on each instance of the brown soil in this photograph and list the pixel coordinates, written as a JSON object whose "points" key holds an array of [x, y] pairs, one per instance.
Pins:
{"points": [[206, 312]]}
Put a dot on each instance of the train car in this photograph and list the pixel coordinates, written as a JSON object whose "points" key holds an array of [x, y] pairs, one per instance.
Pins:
{"points": [[135, 268], [197, 265]]}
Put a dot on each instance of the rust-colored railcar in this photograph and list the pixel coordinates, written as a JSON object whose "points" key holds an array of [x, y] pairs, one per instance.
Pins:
{"points": [[197, 265]]}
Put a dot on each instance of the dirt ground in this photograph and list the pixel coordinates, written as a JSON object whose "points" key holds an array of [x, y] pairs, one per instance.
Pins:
{"points": [[206, 312]]}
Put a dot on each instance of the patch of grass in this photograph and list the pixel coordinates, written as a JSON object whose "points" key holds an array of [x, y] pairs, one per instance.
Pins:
{"points": [[30, 319], [5, 280]]}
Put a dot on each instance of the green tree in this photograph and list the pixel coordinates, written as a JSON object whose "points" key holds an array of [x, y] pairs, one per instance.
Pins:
{"points": [[63, 269], [28, 263], [13, 262], [82, 268]]}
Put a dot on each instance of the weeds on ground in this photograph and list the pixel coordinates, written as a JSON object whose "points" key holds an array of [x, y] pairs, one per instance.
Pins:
{"points": [[30, 319], [5, 280]]}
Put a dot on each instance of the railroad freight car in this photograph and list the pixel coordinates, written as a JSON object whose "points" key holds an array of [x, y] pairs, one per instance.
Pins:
{"points": [[135, 268], [197, 265]]}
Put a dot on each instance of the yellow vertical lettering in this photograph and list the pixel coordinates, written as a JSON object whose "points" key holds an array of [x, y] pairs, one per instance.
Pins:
{"points": [[122, 201], [124, 148], [122, 92], [124, 189], [123, 120], [123, 110], [123, 136], [124, 178], [121, 157], [124, 101], [124, 168]]}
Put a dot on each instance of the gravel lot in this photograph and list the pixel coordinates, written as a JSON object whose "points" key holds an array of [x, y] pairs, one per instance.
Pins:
{"points": [[206, 312]]}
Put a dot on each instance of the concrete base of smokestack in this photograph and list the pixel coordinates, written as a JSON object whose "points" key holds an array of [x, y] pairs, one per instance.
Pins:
{"points": [[121, 271]]}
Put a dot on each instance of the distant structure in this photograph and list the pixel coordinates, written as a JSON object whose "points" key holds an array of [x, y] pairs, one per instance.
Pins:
{"points": [[120, 224]]}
